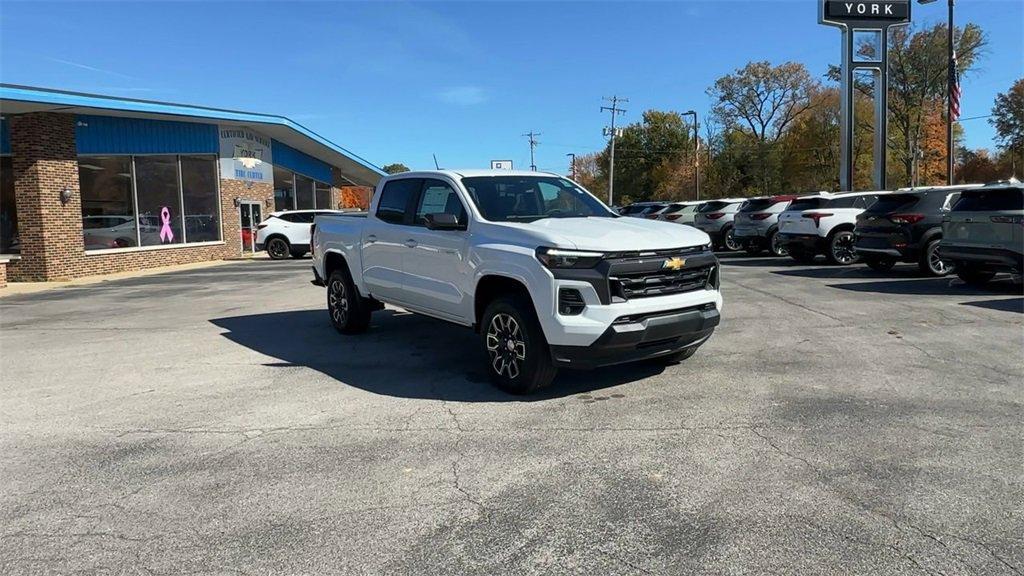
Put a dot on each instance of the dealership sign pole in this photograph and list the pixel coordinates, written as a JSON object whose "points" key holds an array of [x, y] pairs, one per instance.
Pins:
{"points": [[865, 27]]}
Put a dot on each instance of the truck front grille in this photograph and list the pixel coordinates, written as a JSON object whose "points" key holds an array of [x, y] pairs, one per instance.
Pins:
{"points": [[661, 283]]}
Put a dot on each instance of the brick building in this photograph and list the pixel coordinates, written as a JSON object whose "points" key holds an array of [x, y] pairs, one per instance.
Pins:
{"points": [[94, 185]]}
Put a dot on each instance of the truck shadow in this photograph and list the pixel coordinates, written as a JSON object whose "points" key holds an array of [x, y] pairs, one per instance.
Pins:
{"points": [[402, 355]]}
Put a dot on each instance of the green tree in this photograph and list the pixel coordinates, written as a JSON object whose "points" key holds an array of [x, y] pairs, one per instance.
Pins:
{"points": [[395, 168], [645, 155], [1008, 120]]}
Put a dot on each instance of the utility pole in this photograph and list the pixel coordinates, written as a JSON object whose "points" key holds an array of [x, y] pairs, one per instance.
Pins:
{"points": [[696, 154], [572, 164], [533, 145], [615, 111]]}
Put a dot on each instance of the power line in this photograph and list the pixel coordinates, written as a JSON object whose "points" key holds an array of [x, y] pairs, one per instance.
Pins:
{"points": [[533, 146]]}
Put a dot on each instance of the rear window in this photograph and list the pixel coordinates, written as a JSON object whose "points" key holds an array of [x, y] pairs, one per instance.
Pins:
{"points": [[894, 202], [712, 206], [755, 205], [990, 200], [806, 203]]}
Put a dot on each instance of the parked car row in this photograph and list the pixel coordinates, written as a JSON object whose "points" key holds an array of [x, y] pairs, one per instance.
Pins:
{"points": [[973, 230]]}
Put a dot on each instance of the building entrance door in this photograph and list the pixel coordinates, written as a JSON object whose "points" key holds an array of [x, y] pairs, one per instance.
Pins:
{"points": [[251, 215]]}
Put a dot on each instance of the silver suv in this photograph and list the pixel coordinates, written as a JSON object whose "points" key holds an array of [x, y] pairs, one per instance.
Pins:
{"points": [[715, 218], [756, 225], [984, 233]]}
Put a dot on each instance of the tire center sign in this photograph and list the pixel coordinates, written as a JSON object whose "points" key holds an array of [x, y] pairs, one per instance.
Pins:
{"points": [[245, 155]]}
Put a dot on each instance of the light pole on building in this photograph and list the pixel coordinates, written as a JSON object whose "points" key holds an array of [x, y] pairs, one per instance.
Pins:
{"points": [[950, 80], [696, 153]]}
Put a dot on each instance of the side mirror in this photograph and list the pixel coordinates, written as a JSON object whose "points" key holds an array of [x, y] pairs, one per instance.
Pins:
{"points": [[443, 221]]}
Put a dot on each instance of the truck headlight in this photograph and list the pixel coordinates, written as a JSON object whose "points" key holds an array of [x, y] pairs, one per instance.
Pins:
{"points": [[559, 258]]}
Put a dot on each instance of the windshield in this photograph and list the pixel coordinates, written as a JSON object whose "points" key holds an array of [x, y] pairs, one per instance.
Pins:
{"points": [[529, 198]]}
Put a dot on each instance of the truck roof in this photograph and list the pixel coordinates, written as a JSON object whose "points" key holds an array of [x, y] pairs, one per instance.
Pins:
{"points": [[460, 173]]}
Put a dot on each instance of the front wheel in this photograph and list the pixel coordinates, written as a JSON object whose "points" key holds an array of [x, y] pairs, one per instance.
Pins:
{"points": [[931, 264], [776, 246], [518, 358], [974, 276], [840, 249], [278, 248]]}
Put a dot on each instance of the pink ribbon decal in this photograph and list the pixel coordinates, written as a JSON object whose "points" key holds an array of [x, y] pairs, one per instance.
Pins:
{"points": [[165, 231]]}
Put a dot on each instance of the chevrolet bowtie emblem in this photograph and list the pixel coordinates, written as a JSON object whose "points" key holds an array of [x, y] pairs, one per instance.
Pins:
{"points": [[674, 263]]}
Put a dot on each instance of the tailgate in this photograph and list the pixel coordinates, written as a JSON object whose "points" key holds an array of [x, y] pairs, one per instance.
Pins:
{"points": [[982, 229], [793, 222]]}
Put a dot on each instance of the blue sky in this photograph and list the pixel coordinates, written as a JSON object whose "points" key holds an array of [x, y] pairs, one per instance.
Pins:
{"points": [[396, 82]]}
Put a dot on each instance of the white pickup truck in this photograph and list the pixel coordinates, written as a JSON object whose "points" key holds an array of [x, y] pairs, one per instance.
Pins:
{"points": [[543, 271]]}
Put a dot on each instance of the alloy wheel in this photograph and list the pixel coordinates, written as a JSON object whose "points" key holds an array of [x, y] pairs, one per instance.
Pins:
{"points": [[938, 266], [505, 345], [777, 247], [277, 248], [337, 302], [842, 248], [730, 241]]}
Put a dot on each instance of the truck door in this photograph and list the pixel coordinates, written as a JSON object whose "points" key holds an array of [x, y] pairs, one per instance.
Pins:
{"points": [[384, 239], [434, 263]]}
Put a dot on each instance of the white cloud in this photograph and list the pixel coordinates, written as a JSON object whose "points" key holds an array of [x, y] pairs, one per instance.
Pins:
{"points": [[463, 95]]}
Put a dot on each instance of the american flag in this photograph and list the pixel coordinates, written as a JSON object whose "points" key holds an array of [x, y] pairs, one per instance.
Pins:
{"points": [[954, 92]]}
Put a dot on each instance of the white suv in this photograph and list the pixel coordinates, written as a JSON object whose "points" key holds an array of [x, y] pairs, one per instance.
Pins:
{"points": [[823, 224], [285, 234]]}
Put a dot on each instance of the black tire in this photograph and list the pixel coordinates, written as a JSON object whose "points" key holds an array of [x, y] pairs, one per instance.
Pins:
{"points": [[974, 276], [729, 243], [296, 253], [278, 248], [518, 358], [802, 257], [930, 263], [676, 357], [840, 248], [349, 312], [776, 247], [880, 264]]}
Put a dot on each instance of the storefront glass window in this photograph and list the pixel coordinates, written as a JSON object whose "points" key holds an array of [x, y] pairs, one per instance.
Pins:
{"points": [[199, 192], [8, 209], [303, 193], [323, 196], [284, 189], [156, 184], [108, 211]]}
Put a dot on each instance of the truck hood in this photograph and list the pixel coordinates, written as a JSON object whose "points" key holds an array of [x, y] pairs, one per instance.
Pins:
{"points": [[611, 234]]}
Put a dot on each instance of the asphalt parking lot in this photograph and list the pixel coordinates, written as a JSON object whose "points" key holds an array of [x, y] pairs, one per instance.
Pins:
{"points": [[212, 422]]}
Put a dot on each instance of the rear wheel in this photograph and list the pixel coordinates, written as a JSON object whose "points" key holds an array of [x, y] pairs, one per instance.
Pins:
{"points": [[931, 264], [729, 240], [840, 249], [974, 276], [518, 358], [350, 312], [880, 264], [278, 248], [776, 246]]}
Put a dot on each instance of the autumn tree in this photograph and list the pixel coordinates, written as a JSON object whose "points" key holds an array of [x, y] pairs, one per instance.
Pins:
{"points": [[644, 154], [763, 101]]}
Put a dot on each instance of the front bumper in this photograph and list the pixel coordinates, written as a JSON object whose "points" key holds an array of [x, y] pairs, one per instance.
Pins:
{"points": [[994, 259], [639, 337], [802, 242]]}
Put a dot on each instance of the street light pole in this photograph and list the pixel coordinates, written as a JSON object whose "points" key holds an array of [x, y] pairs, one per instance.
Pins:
{"points": [[696, 154], [572, 165]]}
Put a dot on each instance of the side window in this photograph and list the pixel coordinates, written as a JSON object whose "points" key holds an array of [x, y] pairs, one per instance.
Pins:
{"points": [[950, 200], [394, 199], [439, 198]]}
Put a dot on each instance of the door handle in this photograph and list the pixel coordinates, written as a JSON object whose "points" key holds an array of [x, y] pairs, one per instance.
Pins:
{"points": [[410, 243], [371, 238]]}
